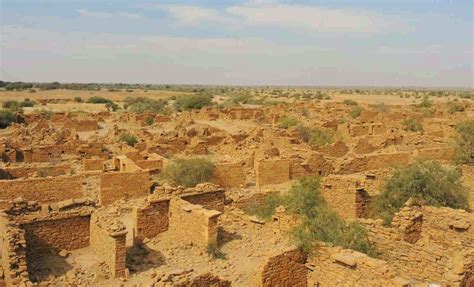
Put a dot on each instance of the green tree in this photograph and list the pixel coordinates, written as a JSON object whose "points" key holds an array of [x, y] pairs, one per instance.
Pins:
{"points": [[425, 182]]}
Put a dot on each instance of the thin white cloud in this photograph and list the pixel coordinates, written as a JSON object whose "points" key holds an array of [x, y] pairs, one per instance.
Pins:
{"points": [[107, 15], [310, 17]]}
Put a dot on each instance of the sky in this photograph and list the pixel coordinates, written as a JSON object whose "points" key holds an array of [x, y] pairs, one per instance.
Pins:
{"points": [[425, 43]]}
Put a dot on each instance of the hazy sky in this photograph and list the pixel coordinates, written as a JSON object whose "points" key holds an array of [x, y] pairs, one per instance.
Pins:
{"points": [[358, 42]]}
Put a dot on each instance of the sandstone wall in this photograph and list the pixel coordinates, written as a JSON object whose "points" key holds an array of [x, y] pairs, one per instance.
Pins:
{"points": [[42, 190], [109, 243], [93, 164], [42, 171], [151, 218], [272, 171], [230, 174], [436, 249], [213, 200], [193, 223], [286, 270], [55, 235], [333, 266], [13, 251], [128, 185]]}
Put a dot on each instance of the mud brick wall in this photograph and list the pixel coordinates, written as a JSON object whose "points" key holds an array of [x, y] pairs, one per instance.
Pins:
{"points": [[18, 172], [340, 192], [375, 161], [230, 174], [151, 219], [439, 153], [439, 253], [334, 266], [93, 164], [151, 164], [82, 125], [193, 223], [213, 200], [109, 246], [272, 171], [286, 270], [55, 235], [13, 251], [128, 185], [43, 190]]}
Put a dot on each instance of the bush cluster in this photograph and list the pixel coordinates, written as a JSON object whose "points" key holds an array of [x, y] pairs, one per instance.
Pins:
{"points": [[129, 139], [193, 102], [288, 122], [143, 104], [464, 143], [356, 111], [100, 100], [426, 183], [7, 117], [412, 125], [318, 221], [188, 172]]}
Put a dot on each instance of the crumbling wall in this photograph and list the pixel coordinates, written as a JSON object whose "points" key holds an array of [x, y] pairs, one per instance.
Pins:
{"points": [[214, 199], [375, 161], [334, 266], [119, 185], [286, 270], [193, 223], [108, 241], [13, 251], [93, 164], [42, 171], [230, 174], [272, 171], [151, 218], [436, 249], [42, 190]]}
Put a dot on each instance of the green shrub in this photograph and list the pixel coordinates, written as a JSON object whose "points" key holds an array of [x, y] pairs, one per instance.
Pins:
{"points": [[47, 114], [266, 208], [425, 103], [7, 117], [28, 103], [288, 122], [78, 99], [143, 104], [109, 104], [97, 100], [464, 143], [188, 172], [356, 112], [129, 139], [193, 102], [412, 125], [320, 137], [149, 121], [350, 103], [319, 222], [455, 107], [11, 105], [425, 182]]}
